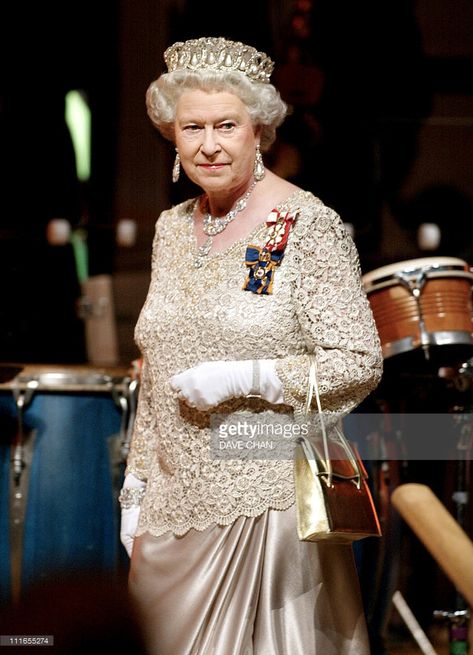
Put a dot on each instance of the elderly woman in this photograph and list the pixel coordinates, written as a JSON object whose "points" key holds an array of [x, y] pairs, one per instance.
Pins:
{"points": [[247, 279]]}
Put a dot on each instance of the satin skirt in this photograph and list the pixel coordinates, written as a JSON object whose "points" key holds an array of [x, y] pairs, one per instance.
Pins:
{"points": [[250, 588]]}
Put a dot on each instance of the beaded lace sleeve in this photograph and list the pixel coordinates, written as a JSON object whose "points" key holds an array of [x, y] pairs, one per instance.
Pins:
{"points": [[145, 427], [334, 315]]}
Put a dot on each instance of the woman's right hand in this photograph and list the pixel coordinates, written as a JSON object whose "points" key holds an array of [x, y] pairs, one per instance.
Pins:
{"points": [[130, 498]]}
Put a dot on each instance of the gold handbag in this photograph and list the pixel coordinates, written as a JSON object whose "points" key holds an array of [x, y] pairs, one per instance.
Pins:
{"points": [[333, 500]]}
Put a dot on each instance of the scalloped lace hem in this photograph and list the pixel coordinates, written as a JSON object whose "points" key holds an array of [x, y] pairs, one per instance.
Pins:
{"points": [[200, 526]]}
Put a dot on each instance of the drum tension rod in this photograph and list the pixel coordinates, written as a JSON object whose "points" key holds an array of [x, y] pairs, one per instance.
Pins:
{"points": [[132, 401], [22, 399], [127, 402], [415, 286]]}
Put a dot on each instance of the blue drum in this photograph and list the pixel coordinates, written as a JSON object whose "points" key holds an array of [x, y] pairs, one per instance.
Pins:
{"points": [[61, 468]]}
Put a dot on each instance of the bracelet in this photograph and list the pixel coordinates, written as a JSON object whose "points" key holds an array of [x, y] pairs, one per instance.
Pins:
{"points": [[130, 497], [255, 385]]}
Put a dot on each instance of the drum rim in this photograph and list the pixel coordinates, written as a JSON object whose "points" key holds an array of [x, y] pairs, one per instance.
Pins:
{"points": [[73, 382], [411, 265], [438, 338]]}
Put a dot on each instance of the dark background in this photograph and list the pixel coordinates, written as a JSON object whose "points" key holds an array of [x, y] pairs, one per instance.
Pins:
{"points": [[381, 129]]}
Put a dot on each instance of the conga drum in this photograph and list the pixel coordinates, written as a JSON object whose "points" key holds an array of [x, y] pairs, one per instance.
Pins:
{"points": [[59, 430], [423, 306]]}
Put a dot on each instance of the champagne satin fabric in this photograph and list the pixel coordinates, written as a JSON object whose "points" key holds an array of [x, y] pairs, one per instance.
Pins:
{"points": [[250, 588]]}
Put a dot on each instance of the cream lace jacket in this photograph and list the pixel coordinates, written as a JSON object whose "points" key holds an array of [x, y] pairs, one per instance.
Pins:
{"points": [[194, 315]]}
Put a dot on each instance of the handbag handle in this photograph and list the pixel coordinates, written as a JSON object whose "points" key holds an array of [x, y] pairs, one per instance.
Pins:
{"points": [[314, 389]]}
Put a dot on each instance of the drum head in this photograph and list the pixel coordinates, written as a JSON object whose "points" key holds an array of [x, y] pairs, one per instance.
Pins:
{"points": [[411, 265]]}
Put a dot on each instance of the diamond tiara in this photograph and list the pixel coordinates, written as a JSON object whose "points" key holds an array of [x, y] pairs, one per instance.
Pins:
{"points": [[217, 53]]}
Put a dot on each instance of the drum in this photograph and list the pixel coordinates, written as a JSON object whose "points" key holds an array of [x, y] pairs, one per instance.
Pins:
{"points": [[423, 304], [61, 432]]}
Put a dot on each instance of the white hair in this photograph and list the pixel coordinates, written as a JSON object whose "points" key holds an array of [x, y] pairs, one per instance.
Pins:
{"points": [[262, 100]]}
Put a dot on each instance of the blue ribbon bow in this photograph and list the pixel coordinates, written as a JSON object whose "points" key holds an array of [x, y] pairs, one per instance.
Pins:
{"points": [[261, 264]]}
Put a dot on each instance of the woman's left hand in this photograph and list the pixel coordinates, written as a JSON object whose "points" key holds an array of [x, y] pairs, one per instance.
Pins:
{"points": [[211, 383]]}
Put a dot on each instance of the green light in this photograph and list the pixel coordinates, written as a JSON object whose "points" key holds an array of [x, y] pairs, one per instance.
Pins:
{"points": [[78, 119], [81, 255]]}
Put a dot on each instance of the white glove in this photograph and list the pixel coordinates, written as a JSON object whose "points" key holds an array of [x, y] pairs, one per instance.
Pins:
{"points": [[211, 383], [130, 498]]}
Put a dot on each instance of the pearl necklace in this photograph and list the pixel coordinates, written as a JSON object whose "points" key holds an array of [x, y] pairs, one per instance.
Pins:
{"points": [[213, 225]]}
